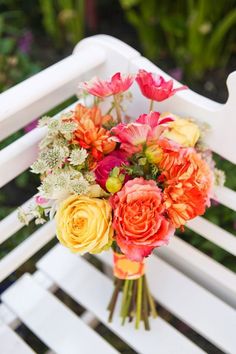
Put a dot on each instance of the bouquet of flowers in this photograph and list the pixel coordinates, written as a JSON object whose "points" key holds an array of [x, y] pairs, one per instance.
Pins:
{"points": [[120, 182]]}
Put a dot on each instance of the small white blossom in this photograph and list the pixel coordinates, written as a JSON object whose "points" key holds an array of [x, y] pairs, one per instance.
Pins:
{"points": [[44, 121], [77, 157], [219, 177], [90, 176], [40, 221], [53, 126], [67, 128], [39, 167], [80, 186], [23, 217], [54, 157]]}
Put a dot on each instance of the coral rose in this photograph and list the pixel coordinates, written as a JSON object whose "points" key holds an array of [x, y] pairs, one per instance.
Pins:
{"points": [[138, 220], [90, 134], [84, 224]]}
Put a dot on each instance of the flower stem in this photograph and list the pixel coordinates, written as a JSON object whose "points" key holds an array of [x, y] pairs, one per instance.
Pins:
{"points": [[139, 303], [150, 299], [124, 298], [117, 108], [128, 301], [151, 105], [145, 308], [112, 304]]}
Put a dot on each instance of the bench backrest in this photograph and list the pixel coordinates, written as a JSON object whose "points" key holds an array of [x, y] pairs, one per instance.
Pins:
{"points": [[103, 56]]}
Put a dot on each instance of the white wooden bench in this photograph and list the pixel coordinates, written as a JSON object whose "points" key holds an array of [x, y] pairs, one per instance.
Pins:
{"points": [[188, 284]]}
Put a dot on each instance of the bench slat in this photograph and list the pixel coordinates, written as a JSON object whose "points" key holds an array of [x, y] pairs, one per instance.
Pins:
{"points": [[227, 197], [93, 290], [26, 249], [214, 233], [11, 343], [188, 301], [45, 90], [56, 325], [201, 268], [18, 156], [11, 223]]}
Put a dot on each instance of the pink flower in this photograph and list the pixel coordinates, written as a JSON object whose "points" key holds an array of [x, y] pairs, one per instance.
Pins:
{"points": [[103, 88], [155, 87], [153, 119], [105, 166], [41, 200], [132, 136], [139, 219]]}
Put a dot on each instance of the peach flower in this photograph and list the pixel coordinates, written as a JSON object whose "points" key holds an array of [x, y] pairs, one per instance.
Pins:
{"points": [[138, 220], [103, 88], [90, 134]]}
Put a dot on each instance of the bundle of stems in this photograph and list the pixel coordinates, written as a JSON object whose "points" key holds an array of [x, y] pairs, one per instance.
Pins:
{"points": [[137, 302]]}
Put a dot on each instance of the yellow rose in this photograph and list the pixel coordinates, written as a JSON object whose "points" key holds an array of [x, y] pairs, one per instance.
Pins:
{"points": [[84, 224], [183, 131]]}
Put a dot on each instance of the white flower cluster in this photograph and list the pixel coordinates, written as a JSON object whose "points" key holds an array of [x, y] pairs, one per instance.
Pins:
{"points": [[61, 183], [50, 158], [59, 130]]}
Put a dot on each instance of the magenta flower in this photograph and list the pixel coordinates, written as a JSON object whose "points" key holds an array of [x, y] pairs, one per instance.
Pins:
{"points": [[106, 165], [155, 87], [103, 88]]}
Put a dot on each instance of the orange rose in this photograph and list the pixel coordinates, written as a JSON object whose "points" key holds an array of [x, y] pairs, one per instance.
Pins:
{"points": [[138, 219]]}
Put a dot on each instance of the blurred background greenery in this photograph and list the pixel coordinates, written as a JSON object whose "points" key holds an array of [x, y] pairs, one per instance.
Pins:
{"points": [[193, 40]]}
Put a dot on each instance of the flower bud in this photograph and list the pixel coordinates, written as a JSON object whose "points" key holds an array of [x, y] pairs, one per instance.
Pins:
{"points": [[153, 153], [113, 184]]}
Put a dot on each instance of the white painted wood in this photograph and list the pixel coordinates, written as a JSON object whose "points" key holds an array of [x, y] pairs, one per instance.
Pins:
{"points": [[188, 301], [11, 343], [11, 224], [93, 290], [18, 156], [26, 249], [43, 91], [227, 197], [201, 268], [56, 325], [214, 233], [11, 319]]}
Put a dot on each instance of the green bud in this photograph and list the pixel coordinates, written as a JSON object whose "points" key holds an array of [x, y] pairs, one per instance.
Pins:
{"points": [[113, 184]]}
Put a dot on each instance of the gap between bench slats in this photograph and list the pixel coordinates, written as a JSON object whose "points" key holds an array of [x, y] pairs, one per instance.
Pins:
{"points": [[92, 290], [55, 324]]}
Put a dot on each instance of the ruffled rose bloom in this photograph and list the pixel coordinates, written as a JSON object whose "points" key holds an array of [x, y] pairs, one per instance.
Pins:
{"points": [[103, 88], [105, 166], [155, 87], [84, 224], [183, 131], [146, 129], [188, 183], [90, 134], [138, 220]]}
